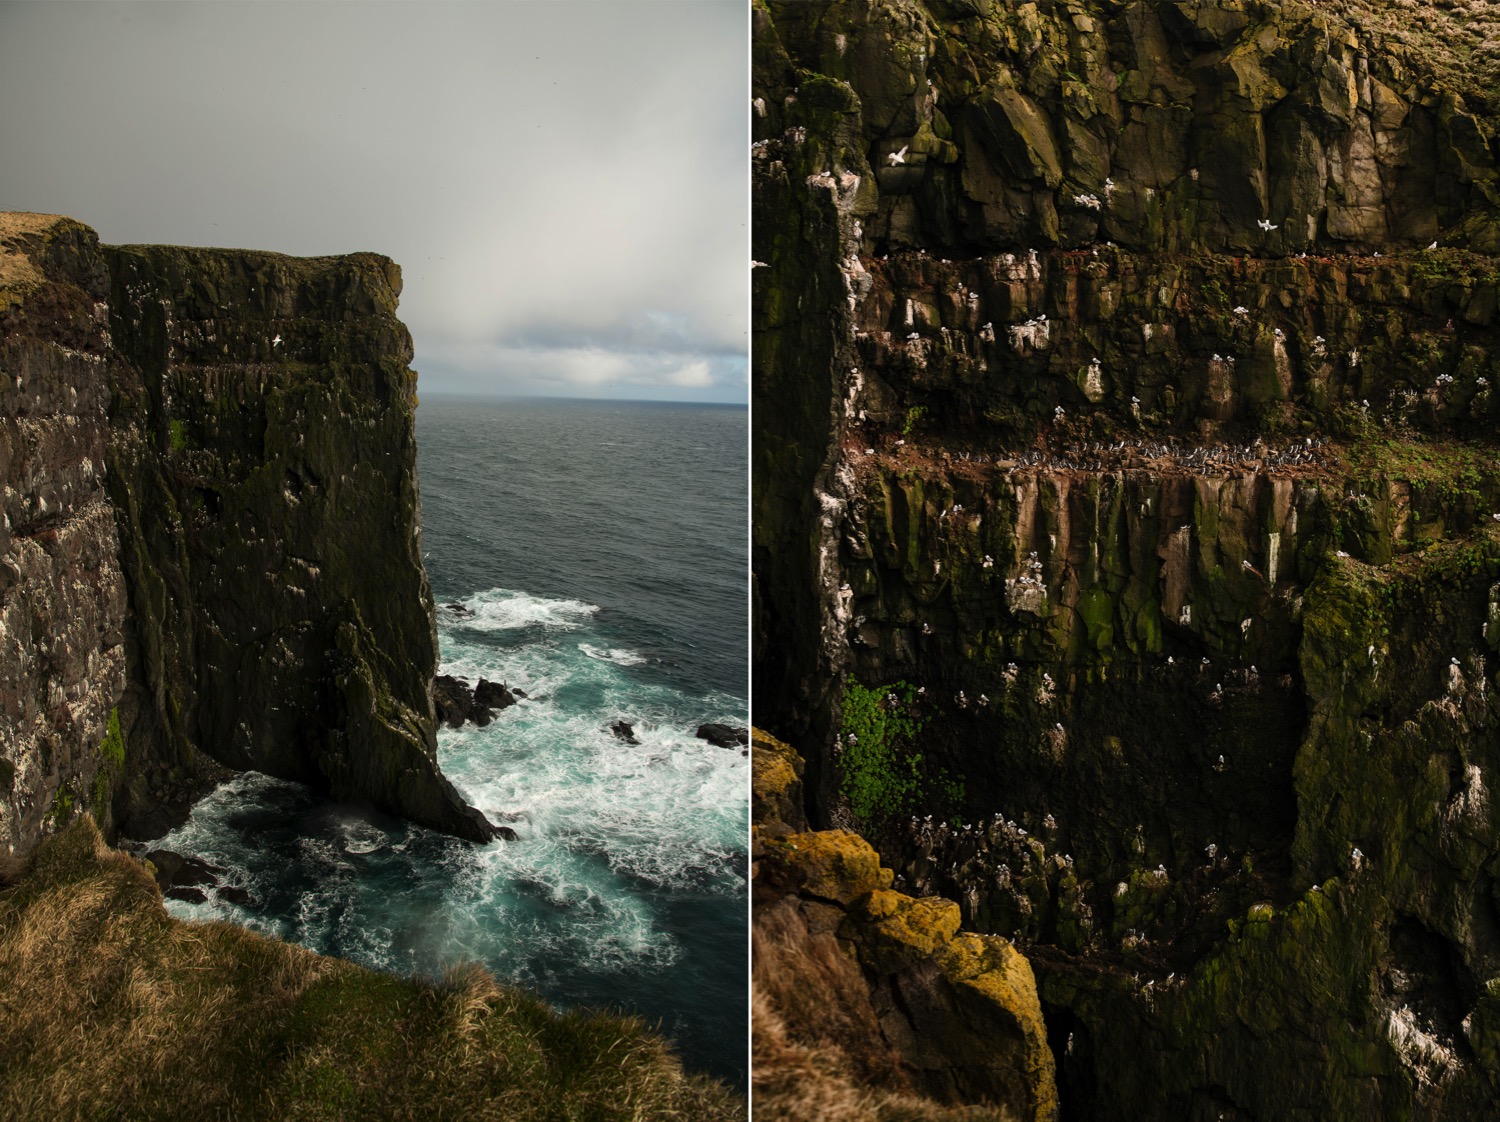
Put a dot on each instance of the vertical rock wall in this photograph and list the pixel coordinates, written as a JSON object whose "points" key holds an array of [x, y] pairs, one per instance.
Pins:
{"points": [[264, 470], [211, 552], [1158, 514], [62, 596]]}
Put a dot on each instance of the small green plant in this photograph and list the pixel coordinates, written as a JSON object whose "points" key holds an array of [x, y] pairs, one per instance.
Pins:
{"points": [[177, 435], [882, 771], [112, 747], [112, 764], [913, 415]]}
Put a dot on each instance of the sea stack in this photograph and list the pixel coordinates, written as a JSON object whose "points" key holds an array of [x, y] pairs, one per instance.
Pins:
{"points": [[242, 536]]}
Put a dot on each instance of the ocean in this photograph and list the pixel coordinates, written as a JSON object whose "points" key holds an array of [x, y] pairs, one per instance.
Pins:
{"points": [[594, 555]]}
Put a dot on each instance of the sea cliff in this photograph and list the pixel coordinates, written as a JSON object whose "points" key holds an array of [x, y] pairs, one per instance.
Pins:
{"points": [[1125, 485], [213, 533]]}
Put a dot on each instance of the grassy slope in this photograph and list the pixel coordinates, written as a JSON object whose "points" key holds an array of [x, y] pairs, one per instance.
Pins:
{"points": [[110, 1008]]}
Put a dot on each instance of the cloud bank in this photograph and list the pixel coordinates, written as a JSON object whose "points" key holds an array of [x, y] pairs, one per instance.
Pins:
{"points": [[563, 184]]}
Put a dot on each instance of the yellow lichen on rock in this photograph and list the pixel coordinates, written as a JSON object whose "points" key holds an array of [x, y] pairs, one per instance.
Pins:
{"points": [[834, 864], [918, 1018], [776, 785]]}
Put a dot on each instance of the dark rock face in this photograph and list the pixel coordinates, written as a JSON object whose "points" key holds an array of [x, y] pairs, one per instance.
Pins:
{"points": [[263, 471], [249, 590], [62, 595], [625, 731], [1189, 540]]}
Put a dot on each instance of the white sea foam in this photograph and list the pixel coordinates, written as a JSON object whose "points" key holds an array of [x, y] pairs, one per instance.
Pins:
{"points": [[605, 829], [503, 609], [618, 655]]}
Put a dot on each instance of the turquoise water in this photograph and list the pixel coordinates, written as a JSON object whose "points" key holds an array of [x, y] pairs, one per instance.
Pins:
{"points": [[598, 554]]}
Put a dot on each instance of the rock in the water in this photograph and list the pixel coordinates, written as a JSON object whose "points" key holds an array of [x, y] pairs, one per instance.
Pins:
{"points": [[186, 893], [456, 703], [176, 870], [234, 894], [723, 736], [492, 695], [453, 700], [625, 731]]}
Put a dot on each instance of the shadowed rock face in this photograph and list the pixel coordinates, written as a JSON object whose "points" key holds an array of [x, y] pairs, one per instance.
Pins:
{"points": [[62, 596], [1178, 522], [264, 470], [249, 591]]}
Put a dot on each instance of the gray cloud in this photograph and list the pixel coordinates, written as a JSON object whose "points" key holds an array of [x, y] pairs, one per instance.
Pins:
{"points": [[564, 184]]}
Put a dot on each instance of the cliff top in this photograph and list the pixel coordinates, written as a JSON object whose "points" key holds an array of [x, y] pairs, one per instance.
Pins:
{"points": [[1458, 41], [17, 229]]}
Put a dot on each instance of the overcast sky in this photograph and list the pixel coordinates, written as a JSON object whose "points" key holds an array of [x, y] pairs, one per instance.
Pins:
{"points": [[564, 183]]}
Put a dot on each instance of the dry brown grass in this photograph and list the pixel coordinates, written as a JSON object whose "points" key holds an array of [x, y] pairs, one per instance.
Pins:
{"points": [[109, 1008], [818, 1054], [16, 269], [797, 1082]]}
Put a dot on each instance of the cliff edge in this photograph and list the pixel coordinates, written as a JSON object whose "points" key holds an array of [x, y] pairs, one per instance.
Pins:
{"points": [[869, 1003], [251, 496]]}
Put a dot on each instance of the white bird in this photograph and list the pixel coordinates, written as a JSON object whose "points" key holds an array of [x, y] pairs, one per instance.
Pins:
{"points": [[276, 342], [758, 265], [898, 157], [1265, 224], [1433, 246]]}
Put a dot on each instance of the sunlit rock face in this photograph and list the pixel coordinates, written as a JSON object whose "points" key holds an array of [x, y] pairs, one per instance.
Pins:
{"points": [[1111, 391]]}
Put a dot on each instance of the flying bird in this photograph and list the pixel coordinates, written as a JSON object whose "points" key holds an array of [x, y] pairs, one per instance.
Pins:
{"points": [[1265, 224], [898, 157], [276, 342]]}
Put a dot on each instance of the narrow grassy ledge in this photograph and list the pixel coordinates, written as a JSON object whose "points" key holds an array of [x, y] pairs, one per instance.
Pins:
{"points": [[113, 1009]]}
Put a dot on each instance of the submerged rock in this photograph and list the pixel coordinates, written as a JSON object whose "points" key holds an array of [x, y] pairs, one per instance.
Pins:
{"points": [[174, 870], [625, 731]]}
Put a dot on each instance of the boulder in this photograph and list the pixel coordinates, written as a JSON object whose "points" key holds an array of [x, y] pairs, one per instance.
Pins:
{"points": [[452, 699], [723, 736], [492, 695], [176, 870]]}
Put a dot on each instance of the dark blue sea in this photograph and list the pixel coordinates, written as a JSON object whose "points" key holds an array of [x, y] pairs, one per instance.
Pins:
{"points": [[593, 554]]}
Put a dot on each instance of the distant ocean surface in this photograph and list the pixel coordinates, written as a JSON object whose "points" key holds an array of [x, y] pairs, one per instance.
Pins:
{"points": [[598, 554]]}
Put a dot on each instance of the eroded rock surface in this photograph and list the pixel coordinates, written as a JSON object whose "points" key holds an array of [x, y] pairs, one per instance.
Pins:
{"points": [[211, 548], [264, 469], [1125, 426], [62, 595]]}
